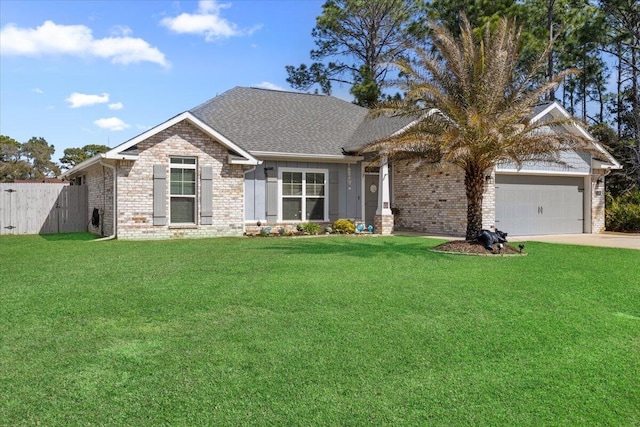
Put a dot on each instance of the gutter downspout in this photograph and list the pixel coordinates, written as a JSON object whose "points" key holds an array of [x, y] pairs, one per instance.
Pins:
{"points": [[115, 218]]}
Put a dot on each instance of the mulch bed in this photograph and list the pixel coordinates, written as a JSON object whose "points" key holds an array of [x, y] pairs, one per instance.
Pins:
{"points": [[472, 247]]}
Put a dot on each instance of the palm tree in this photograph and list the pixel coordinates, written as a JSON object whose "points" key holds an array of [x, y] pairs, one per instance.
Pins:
{"points": [[472, 106]]}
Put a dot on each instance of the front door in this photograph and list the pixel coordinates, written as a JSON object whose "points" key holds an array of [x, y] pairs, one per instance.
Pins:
{"points": [[370, 197]]}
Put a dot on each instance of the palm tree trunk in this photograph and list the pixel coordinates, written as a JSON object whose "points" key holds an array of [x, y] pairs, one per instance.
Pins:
{"points": [[474, 187]]}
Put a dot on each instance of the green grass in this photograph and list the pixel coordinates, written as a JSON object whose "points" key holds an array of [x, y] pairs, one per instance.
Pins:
{"points": [[326, 331]]}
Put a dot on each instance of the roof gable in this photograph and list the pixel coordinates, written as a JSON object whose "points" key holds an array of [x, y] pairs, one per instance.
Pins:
{"points": [[555, 110], [125, 151]]}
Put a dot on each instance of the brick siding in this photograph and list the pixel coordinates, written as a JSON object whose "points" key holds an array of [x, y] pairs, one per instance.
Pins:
{"points": [[99, 181], [135, 188], [429, 199], [432, 199], [597, 202]]}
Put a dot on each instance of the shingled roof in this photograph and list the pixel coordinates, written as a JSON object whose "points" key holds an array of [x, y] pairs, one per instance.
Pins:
{"points": [[261, 120]]}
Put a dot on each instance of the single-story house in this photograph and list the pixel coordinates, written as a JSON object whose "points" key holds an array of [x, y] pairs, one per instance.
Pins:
{"points": [[254, 156]]}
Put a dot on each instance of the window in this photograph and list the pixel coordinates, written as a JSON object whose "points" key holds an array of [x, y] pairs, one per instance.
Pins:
{"points": [[183, 190], [303, 194]]}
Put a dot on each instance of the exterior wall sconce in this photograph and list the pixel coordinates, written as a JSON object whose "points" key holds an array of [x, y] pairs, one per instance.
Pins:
{"points": [[488, 179], [599, 180]]}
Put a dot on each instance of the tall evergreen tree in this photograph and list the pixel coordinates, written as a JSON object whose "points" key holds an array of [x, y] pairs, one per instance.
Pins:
{"points": [[623, 24], [73, 156], [31, 160], [12, 165], [38, 152], [355, 42]]}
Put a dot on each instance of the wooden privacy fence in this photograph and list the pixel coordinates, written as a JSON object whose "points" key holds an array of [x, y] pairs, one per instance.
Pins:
{"points": [[39, 208]]}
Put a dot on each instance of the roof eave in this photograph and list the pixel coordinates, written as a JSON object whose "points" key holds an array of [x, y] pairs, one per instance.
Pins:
{"points": [[83, 165], [304, 157], [238, 160], [613, 163]]}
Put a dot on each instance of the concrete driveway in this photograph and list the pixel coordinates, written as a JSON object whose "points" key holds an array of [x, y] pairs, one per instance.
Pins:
{"points": [[610, 240]]}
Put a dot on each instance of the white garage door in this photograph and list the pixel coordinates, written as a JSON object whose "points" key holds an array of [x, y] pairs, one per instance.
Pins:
{"points": [[528, 205]]}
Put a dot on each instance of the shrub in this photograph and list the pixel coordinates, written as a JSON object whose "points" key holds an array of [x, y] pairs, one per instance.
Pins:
{"points": [[623, 212], [310, 228], [344, 226], [265, 231]]}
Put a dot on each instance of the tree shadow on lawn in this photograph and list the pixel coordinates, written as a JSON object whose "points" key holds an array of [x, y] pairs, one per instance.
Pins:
{"points": [[69, 237], [361, 247]]}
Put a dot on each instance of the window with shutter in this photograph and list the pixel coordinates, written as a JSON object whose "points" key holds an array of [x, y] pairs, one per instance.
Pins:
{"points": [[182, 190]]}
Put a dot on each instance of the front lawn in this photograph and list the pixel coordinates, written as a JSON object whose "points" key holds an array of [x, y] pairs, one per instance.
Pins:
{"points": [[321, 331]]}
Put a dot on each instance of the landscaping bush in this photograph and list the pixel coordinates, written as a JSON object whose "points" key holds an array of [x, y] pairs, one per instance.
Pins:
{"points": [[344, 226], [310, 228], [623, 212]]}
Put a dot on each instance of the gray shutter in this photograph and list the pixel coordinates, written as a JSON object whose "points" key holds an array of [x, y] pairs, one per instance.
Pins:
{"points": [[334, 194], [272, 195], [206, 196], [159, 195]]}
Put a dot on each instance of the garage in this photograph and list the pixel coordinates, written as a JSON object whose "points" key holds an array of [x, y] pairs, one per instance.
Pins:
{"points": [[531, 204]]}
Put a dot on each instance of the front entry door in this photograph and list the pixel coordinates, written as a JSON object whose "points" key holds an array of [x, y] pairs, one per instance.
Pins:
{"points": [[370, 197]]}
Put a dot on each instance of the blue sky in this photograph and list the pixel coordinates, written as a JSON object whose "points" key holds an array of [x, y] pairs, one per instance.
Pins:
{"points": [[101, 72]]}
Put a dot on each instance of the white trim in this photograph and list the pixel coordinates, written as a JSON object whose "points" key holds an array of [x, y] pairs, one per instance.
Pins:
{"points": [[539, 172], [548, 109], [83, 165], [384, 194], [122, 157], [363, 190], [327, 158], [175, 120], [116, 152], [587, 196], [303, 196], [195, 196], [239, 160], [557, 107]]}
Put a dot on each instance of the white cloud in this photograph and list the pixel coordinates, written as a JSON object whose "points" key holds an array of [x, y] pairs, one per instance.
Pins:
{"points": [[84, 100], [206, 22], [116, 106], [37, 90], [270, 86], [142, 127], [211, 6], [111, 123], [121, 30], [77, 40]]}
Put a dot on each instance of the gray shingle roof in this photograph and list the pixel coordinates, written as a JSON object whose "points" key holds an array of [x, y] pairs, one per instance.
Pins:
{"points": [[539, 108], [289, 122], [374, 129]]}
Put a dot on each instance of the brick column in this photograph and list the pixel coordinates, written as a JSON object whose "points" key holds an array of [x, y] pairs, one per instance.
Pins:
{"points": [[597, 202], [383, 224]]}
